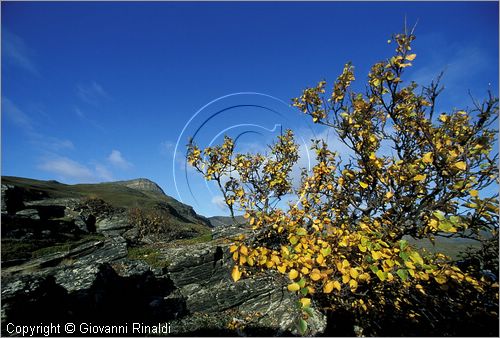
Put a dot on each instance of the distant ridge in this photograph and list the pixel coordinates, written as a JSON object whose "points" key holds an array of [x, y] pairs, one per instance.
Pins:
{"points": [[135, 193], [223, 221], [142, 184]]}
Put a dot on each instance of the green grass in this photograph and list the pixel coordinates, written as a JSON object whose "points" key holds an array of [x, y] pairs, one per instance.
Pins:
{"points": [[149, 255], [195, 240], [50, 250], [13, 249], [65, 247]]}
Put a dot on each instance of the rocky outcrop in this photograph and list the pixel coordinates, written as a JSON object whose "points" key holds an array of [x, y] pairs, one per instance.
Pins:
{"points": [[142, 184], [193, 292], [79, 264]]}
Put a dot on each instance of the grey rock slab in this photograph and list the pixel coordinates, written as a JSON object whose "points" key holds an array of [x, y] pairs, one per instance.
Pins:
{"points": [[28, 213]]}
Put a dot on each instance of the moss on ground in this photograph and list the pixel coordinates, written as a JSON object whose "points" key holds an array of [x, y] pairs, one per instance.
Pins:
{"points": [[195, 240], [65, 247], [149, 255], [14, 249]]}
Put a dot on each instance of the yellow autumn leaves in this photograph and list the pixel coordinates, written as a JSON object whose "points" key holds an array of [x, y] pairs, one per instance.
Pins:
{"points": [[331, 285], [343, 238]]}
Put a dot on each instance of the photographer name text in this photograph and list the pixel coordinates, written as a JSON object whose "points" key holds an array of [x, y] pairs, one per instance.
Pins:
{"points": [[50, 329]]}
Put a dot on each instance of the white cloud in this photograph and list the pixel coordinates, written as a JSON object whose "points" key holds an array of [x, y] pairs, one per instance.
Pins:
{"points": [[19, 118], [465, 67], [219, 201], [51, 143], [16, 115], [71, 171], [92, 93], [79, 113], [67, 169], [15, 52], [116, 159], [83, 116], [167, 148], [103, 172]]}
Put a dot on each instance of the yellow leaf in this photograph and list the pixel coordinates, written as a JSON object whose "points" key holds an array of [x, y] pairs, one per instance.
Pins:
{"points": [[410, 265], [275, 259], [433, 224], [344, 242], [473, 193], [293, 274], [301, 232], [346, 279], [419, 178], [320, 259], [363, 185], [461, 165], [411, 57], [427, 158], [389, 194], [381, 275], [354, 273], [376, 255], [389, 262], [364, 277], [328, 287], [293, 287], [244, 250], [345, 263], [415, 257], [233, 248], [362, 248], [282, 268], [236, 273], [353, 285], [315, 275], [304, 270], [305, 302], [420, 288]]}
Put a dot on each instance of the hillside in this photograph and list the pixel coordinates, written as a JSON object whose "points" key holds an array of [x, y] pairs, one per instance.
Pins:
{"points": [[141, 193], [218, 221], [124, 252]]}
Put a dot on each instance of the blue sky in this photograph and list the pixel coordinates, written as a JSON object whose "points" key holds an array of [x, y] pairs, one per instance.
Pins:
{"points": [[94, 92]]}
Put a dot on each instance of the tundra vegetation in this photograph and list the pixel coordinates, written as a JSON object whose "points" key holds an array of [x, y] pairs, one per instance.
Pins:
{"points": [[340, 243]]}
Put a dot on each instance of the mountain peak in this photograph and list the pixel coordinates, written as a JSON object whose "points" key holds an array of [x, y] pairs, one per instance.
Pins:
{"points": [[142, 184]]}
